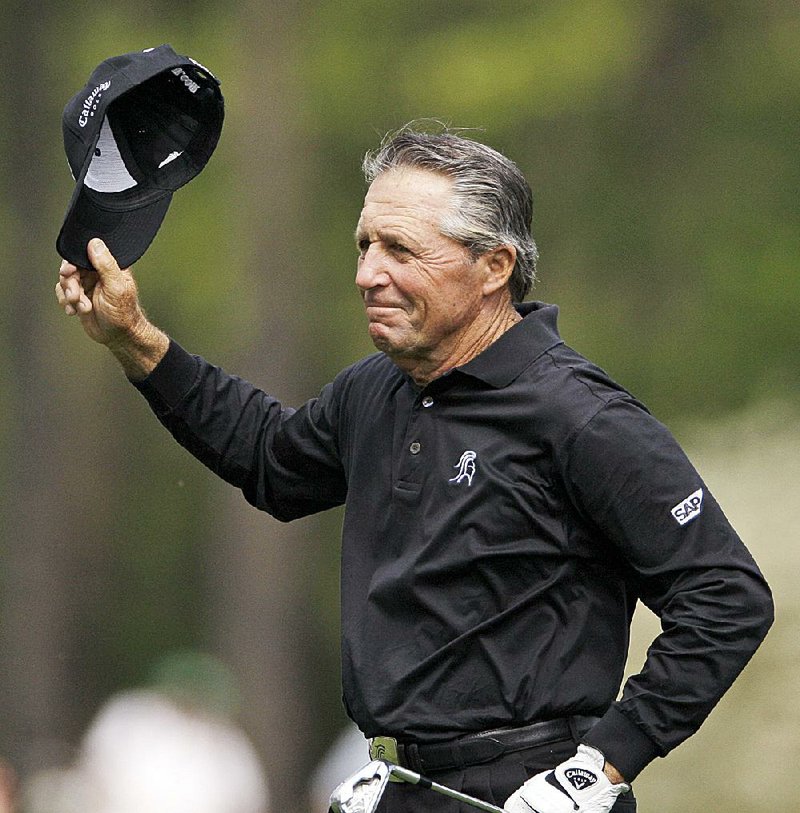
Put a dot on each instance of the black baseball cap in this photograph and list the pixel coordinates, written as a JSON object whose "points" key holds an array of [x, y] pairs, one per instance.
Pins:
{"points": [[144, 125]]}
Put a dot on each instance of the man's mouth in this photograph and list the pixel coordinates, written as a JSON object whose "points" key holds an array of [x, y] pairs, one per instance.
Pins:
{"points": [[381, 306]]}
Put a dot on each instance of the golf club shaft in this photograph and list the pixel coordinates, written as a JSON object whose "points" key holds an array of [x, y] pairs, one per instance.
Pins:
{"points": [[416, 779]]}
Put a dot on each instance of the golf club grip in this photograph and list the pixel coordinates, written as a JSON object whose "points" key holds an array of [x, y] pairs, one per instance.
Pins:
{"points": [[414, 778]]}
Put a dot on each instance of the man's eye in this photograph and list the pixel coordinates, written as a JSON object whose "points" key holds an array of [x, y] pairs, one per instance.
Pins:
{"points": [[398, 248], [363, 246]]}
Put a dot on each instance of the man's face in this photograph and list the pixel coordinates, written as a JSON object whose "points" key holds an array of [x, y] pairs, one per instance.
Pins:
{"points": [[421, 290]]}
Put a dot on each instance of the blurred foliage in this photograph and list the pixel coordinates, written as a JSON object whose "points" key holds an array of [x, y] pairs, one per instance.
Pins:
{"points": [[660, 140]]}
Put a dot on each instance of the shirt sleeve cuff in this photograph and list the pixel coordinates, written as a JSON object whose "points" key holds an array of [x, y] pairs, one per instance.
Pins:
{"points": [[622, 743], [170, 380]]}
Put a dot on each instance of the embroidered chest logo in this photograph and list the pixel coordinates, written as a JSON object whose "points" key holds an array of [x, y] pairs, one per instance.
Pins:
{"points": [[466, 468]]}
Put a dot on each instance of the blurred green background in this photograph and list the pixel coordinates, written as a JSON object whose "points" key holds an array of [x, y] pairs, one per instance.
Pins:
{"points": [[661, 142]]}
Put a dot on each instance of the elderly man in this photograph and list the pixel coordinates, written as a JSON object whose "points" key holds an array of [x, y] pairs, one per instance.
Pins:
{"points": [[506, 502]]}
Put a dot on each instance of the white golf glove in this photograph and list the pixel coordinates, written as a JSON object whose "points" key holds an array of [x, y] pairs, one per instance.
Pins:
{"points": [[575, 786]]}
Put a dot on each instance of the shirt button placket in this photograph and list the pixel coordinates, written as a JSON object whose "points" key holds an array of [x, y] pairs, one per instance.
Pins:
{"points": [[416, 446]]}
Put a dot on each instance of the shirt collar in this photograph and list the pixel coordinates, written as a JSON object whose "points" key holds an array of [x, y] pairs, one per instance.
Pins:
{"points": [[503, 360]]}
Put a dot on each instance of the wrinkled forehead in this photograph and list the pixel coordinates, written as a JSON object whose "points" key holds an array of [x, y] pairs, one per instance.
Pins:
{"points": [[407, 194]]}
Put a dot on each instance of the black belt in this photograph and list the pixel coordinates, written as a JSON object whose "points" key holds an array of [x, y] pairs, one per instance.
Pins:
{"points": [[474, 749]]}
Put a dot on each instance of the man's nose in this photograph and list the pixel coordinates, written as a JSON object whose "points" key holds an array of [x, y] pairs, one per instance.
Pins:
{"points": [[371, 271]]}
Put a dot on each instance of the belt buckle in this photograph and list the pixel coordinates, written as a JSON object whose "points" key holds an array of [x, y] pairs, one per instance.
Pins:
{"points": [[386, 749]]}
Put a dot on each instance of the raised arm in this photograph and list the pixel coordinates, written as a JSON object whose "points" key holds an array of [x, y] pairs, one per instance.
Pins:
{"points": [[106, 300]]}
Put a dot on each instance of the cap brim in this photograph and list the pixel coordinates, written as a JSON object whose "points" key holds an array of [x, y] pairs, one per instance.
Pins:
{"points": [[127, 234]]}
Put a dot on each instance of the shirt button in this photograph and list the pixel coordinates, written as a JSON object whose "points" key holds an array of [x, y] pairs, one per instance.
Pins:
{"points": [[427, 401], [414, 447]]}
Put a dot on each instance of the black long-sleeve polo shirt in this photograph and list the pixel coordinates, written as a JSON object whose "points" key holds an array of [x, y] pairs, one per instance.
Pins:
{"points": [[500, 525]]}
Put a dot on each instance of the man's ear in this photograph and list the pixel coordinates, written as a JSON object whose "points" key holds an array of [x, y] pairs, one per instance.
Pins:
{"points": [[499, 264]]}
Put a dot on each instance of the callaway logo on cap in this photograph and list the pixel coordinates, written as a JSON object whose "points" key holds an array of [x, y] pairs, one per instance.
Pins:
{"points": [[144, 125]]}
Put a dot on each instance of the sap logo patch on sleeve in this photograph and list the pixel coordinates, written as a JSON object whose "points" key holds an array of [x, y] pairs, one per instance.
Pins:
{"points": [[686, 510]]}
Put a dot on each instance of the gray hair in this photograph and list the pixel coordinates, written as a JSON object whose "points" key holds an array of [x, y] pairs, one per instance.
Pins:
{"points": [[493, 201]]}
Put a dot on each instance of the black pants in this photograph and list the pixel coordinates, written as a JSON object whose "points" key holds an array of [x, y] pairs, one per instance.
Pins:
{"points": [[492, 782]]}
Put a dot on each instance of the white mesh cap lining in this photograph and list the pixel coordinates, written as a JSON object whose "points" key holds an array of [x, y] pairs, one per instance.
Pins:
{"points": [[107, 171]]}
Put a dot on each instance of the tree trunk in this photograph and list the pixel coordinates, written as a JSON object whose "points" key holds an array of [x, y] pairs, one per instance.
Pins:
{"points": [[262, 587], [48, 410]]}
